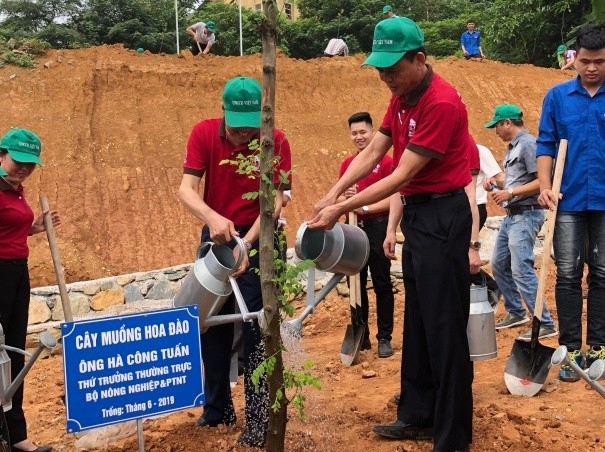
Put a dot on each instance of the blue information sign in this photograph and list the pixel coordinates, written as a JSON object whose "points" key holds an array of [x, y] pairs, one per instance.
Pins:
{"points": [[131, 366]]}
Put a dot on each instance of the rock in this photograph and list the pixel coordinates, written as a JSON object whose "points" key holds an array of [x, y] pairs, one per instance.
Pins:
{"points": [[132, 293], [12, 76], [342, 290], [124, 279], [39, 312], [162, 290], [107, 299], [79, 304], [175, 275], [107, 285], [368, 374], [186, 55], [91, 290], [47, 65]]}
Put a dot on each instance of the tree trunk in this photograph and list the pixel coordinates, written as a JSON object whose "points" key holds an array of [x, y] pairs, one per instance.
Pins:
{"points": [[271, 331]]}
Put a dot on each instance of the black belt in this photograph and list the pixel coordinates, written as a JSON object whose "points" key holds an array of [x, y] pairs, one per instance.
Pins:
{"points": [[13, 261], [371, 221], [516, 210], [417, 199]]}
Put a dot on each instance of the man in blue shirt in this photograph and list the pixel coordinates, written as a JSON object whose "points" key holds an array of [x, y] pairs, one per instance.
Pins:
{"points": [[471, 42], [575, 111]]}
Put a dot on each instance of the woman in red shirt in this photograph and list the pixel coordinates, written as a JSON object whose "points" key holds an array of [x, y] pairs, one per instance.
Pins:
{"points": [[19, 154]]}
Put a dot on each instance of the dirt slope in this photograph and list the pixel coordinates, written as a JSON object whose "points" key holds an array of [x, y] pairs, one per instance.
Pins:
{"points": [[114, 126]]}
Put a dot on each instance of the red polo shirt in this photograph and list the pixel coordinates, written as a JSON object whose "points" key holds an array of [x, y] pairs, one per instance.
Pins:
{"points": [[16, 218], [383, 169], [431, 121], [223, 186], [473, 159]]}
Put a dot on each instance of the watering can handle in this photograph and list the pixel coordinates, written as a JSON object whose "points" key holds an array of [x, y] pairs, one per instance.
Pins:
{"points": [[242, 251], [201, 249]]}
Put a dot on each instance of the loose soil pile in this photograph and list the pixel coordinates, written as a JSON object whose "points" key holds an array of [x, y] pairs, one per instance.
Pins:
{"points": [[114, 125]]}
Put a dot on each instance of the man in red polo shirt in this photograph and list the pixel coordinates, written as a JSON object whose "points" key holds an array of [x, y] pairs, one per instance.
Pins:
{"points": [[225, 214], [373, 220], [426, 123]]}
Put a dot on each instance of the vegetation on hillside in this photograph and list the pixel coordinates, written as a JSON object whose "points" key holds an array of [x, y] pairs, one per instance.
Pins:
{"points": [[519, 31]]}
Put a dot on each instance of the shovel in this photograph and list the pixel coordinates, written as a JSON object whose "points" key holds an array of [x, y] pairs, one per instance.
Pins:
{"points": [[527, 366], [351, 344], [54, 251]]}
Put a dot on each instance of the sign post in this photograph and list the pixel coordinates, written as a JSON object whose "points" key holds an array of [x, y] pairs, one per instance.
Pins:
{"points": [[131, 366]]}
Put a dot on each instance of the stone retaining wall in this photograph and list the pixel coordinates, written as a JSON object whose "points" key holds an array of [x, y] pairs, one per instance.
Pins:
{"points": [[142, 291]]}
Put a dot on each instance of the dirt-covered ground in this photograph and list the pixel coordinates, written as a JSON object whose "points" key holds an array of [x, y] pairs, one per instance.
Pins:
{"points": [[114, 125]]}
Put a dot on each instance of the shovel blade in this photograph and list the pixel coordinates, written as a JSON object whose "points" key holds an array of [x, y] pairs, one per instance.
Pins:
{"points": [[351, 344], [527, 368]]}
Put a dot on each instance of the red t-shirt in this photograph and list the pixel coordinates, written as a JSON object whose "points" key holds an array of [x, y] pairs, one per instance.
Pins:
{"points": [[16, 218], [383, 169], [434, 122], [223, 187], [473, 159]]}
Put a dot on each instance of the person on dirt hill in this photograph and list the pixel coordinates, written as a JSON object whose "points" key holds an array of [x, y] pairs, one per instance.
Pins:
{"points": [[566, 57], [432, 168], [470, 41], [203, 35], [488, 168], [225, 215], [517, 191], [373, 220], [336, 46], [575, 111], [388, 12], [19, 154]]}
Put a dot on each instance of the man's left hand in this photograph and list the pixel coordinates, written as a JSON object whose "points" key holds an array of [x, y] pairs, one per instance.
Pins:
{"points": [[474, 261]]}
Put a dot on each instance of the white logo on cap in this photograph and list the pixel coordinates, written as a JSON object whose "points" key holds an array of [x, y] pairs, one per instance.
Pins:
{"points": [[383, 41], [28, 145], [244, 102]]}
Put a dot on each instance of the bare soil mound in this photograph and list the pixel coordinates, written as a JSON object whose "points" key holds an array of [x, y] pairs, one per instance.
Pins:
{"points": [[114, 126]]}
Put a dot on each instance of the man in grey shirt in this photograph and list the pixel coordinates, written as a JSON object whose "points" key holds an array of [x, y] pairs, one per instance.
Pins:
{"points": [[517, 191], [202, 34]]}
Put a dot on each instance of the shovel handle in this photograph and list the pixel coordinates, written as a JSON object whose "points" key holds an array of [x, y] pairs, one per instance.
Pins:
{"points": [[354, 282], [54, 251], [550, 230]]}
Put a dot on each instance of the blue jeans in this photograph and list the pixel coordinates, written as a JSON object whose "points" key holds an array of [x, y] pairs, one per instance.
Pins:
{"points": [[513, 263], [571, 231]]}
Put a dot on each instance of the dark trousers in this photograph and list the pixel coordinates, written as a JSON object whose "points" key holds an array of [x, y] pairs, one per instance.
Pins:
{"points": [[380, 268], [483, 277], [436, 371], [216, 354], [14, 311]]}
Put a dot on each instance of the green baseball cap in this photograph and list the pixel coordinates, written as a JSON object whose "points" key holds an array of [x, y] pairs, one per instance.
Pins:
{"points": [[386, 9], [392, 39], [22, 145], [504, 111], [211, 26], [242, 102], [562, 48]]}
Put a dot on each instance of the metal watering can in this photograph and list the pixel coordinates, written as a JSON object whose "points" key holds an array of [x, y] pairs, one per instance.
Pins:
{"points": [[481, 327], [342, 250], [209, 283]]}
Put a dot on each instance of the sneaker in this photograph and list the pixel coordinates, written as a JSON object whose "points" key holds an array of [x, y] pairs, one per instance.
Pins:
{"points": [[595, 352], [511, 320], [566, 373], [384, 348], [545, 331]]}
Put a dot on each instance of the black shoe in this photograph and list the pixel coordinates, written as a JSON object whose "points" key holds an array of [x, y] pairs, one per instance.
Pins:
{"points": [[401, 430], [366, 344], [465, 449], [203, 422], [250, 439], [384, 348]]}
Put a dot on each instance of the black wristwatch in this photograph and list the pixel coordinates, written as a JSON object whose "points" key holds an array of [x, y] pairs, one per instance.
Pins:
{"points": [[475, 245]]}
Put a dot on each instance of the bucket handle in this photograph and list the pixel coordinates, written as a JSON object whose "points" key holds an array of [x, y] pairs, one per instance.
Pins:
{"points": [[205, 245]]}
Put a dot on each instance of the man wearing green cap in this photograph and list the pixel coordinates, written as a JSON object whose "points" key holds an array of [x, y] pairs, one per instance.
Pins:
{"points": [[566, 57], [426, 123], [19, 155], [517, 192], [226, 214], [388, 11], [202, 34]]}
